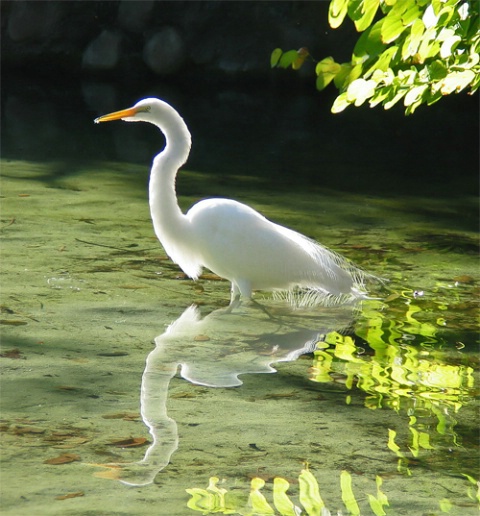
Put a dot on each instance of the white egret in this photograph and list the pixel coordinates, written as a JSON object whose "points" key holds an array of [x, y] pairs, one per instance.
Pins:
{"points": [[231, 239]]}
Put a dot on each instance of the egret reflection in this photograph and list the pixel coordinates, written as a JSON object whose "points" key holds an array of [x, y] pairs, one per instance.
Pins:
{"points": [[214, 351]]}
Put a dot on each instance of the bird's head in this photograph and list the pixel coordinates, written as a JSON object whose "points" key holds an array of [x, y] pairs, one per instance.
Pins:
{"points": [[162, 115], [146, 110]]}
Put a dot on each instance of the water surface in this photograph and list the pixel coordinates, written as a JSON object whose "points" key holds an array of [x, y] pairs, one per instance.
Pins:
{"points": [[124, 384]]}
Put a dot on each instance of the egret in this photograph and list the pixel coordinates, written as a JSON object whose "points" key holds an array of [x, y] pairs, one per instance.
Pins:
{"points": [[231, 239]]}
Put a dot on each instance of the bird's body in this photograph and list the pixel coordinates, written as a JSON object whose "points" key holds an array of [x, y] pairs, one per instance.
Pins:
{"points": [[231, 239]]}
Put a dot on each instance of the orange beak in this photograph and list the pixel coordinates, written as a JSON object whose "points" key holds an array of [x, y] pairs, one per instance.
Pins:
{"points": [[116, 115]]}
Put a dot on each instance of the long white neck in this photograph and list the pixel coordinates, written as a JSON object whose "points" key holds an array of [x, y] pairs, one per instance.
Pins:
{"points": [[168, 220]]}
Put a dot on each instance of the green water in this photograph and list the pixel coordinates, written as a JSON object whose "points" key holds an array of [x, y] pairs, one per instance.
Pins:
{"points": [[390, 395]]}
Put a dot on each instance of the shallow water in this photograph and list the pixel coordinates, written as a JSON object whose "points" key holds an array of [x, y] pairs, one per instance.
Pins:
{"points": [[118, 395]]}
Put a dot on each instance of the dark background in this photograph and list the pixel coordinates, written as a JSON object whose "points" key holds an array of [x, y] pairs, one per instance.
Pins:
{"points": [[64, 63], [195, 38]]}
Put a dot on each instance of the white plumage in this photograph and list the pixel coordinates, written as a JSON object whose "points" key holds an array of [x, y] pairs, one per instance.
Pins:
{"points": [[230, 238]]}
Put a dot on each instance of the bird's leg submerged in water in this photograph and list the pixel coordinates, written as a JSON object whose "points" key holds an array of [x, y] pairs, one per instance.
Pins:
{"points": [[236, 301]]}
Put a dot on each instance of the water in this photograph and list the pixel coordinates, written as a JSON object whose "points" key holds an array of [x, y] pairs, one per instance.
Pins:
{"points": [[118, 395]]}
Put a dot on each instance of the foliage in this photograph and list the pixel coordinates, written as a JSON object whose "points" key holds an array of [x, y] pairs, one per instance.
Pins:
{"points": [[415, 50]]}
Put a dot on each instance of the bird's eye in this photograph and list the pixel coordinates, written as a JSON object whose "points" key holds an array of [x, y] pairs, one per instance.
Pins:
{"points": [[145, 109]]}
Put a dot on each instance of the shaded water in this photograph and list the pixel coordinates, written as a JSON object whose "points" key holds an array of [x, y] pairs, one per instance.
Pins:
{"points": [[96, 320]]}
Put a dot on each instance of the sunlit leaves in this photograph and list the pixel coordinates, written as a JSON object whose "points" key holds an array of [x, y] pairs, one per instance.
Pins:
{"points": [[392, 27], [427, 46], [359, 91], [430, 19], [275, 57], [340, 104], [384, 61], [456, 82], [345, 74], [414, 96], [413, 39], [293, 58], [449, 44], [417, 52], [337, 12], [362, 12], [326, 71], [370, 42]]}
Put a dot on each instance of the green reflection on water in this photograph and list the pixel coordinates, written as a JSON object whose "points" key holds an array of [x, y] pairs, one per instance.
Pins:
{"points": [[218, 500], [395, 373]]}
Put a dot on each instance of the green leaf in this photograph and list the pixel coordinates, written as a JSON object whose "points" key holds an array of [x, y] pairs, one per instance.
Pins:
{"points": [[428, 40], [302, 54], [437, 70], [336, 12], [465, 61], [370, 42], [456, 81], [363, 13], [288, 58], [380, 95], [448, 46], [429, 18], [424, 441], [360, 90], [410, 15], [201, 500], [445, 15], [383, 62], [326, 71], [433, 97], [354, 74], [339, 79], [392, 445], [412, 41], [392, 27], [275, 57], [415, 94], [327, 65], [323, 80], [400, 93]]}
